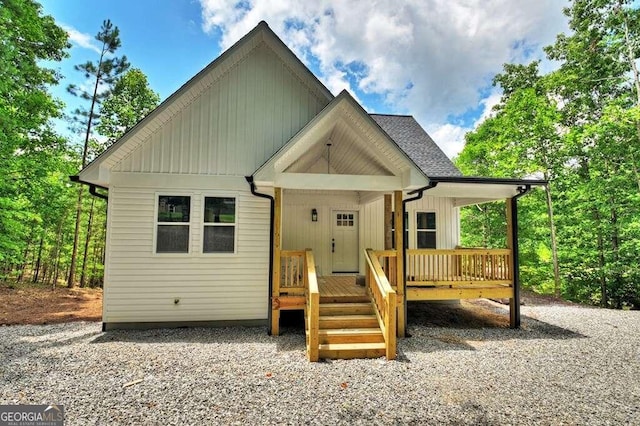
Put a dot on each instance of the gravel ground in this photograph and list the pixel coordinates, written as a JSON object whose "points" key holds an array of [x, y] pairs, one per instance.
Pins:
{"points": [[567, 365]]}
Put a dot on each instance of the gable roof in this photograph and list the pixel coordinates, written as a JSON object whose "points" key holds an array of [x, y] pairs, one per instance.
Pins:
{"points": [[406, 138], [418, 145], [361, 146], [97, 172]]}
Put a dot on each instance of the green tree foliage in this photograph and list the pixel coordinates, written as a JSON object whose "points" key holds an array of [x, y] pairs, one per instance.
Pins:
{"points": [[29, 151], [130, 101], [38, 203], [578, 126]]}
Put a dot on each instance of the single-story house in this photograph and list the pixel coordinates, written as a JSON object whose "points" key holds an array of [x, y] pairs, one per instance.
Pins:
{"points": [[252, 189]]}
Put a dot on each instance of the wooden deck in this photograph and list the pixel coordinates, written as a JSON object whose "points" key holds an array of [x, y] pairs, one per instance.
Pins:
{"points": [[341, 288]]}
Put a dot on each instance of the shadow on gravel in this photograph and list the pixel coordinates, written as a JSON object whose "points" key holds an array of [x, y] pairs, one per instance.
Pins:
{"points": [[433, 327], [227, 335], [291, 336], [455, 323]]}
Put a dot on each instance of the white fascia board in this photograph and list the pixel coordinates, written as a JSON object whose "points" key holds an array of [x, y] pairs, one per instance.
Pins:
{"points": [[461, 190], [412, 178], [98, 174]]}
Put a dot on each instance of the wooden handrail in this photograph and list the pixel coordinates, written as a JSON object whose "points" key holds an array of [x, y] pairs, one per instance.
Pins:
{"points": [[384, 301], [313, 306]]}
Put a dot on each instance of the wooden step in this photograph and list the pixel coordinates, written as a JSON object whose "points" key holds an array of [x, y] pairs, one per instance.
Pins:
{"points": [[348, 321], [352, 350], [359, 308], [350, 335], [345, 299]]}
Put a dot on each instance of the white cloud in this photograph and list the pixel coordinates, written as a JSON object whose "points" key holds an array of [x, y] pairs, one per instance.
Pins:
{"points": [[449, 137], [81, 39], [488, 103], [430, 58]]}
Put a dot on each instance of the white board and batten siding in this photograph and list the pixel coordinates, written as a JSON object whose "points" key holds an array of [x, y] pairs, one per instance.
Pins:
{"points": [[205, 149], [234, 126], [300, 232], [447, 220]]}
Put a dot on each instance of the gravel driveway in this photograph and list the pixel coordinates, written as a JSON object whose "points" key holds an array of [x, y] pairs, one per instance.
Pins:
{"points": [[568, 365]]}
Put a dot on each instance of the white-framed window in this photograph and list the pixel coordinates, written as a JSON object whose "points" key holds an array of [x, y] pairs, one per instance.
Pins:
{"points": [[426, 230], [173, 223], [220, 221]]}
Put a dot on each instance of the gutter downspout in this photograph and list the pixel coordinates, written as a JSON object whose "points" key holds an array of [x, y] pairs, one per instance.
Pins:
{"points": [[432, 184], [92, 187], [271, 229], [515, 312]]}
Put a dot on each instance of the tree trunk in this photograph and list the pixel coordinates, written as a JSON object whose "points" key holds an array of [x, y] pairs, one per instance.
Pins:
{"points": [[24, 264], [96, 256], [76, 235], [36, 273], [71, 283], [83, 273], [57, 265]]}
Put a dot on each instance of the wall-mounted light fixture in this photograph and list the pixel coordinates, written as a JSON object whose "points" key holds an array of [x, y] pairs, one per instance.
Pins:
{"points": [[314, 215]]}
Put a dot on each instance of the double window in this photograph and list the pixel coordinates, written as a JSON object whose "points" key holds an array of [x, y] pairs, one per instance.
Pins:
{"points": [[175, 219]]}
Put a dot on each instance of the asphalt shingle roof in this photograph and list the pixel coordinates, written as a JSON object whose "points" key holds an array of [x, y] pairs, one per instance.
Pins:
{"points": [[418, 145]]}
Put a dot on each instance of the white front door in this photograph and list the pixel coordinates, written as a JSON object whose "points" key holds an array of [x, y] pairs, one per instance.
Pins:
{"points": [[344, 241]]}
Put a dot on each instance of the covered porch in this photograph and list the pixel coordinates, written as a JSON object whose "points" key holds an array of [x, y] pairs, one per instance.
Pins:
{"points": [[390, 278], [348, 199]]}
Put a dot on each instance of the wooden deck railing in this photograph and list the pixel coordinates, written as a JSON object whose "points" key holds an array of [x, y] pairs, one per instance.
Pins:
{"points": [[384, 298], [292, 271], [459, 267], [388, 263], [312, 291]]}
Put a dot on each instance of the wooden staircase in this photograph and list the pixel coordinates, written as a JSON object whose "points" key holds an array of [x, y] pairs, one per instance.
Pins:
{"points": [[349, 329]]}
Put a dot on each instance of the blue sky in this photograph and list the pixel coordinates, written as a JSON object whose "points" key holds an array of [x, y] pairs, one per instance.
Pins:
{"points": [[433, 59]]}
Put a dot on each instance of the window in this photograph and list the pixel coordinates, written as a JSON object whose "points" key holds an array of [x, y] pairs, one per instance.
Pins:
{"points": [[426, 230], [219, 234], [406, 230], [172, 224], [344, 219]]}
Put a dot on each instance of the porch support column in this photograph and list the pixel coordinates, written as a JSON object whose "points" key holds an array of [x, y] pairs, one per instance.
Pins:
{"points": [[388, 211], [512, 244], [277, 247], [400, 279]]}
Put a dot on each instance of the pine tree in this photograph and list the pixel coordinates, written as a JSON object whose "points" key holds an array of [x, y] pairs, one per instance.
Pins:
{"points": [[104, 74]]}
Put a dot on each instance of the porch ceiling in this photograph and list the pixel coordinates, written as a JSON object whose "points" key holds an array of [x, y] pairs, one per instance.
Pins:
{"points": [[349, 153], [362, 157]]}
